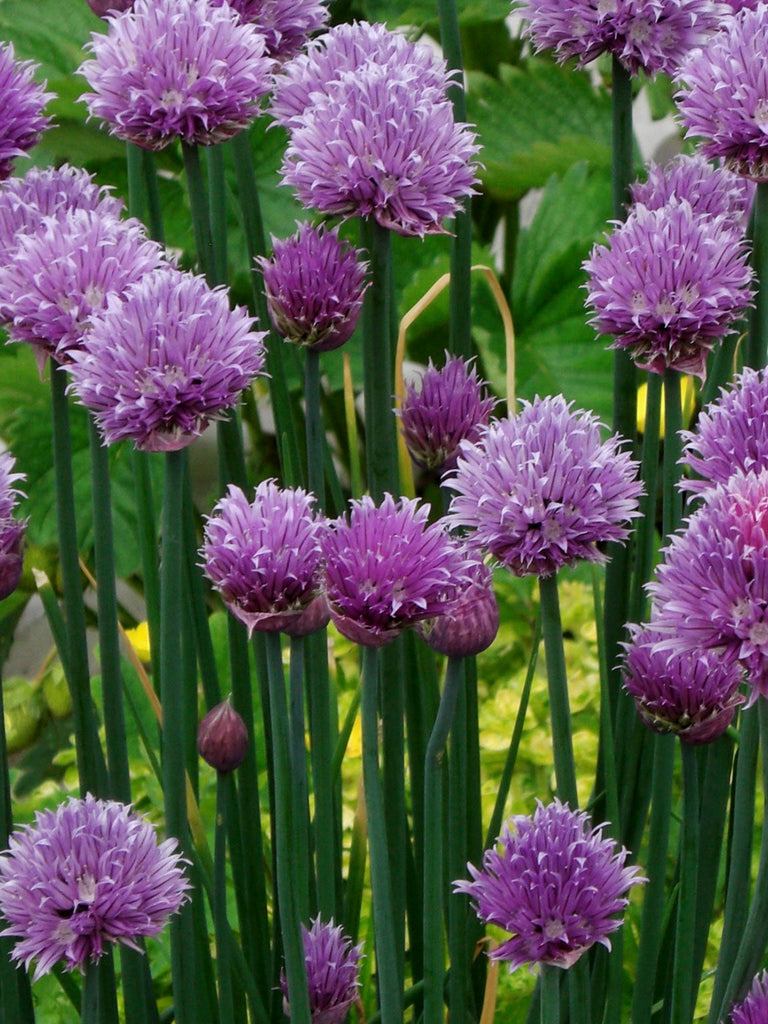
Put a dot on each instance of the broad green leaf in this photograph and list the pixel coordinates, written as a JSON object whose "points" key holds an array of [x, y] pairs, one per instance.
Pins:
{"points": [[534, 121]]}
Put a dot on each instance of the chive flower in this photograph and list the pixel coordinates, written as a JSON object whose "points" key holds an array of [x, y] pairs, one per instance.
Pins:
{"points": [[265, 558], [22, 121], [84, 876], [542, 489], [669, 285], [387, 569], [450, 405], [333, 968], [723, 99], [176, 69], [470, 623], [709, 189], [754, 1007], [12, 530], [285, 24], [554, 883], [692, 694], [314, 284], [165, 359]]}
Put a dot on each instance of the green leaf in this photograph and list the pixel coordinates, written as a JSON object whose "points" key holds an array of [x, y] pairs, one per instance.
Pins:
{"points": [[49, 32], [534, 121], [424, 12]]}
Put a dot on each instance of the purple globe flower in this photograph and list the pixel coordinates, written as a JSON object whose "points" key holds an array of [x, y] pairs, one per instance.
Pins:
{"points": [[450, 406], [49, 192], [554, 883], [83, 876], [353, 48], [333, 966], [691, 693], [731, 433], [470, 623], [711, 590], [62, 275], [754, 1008], [285, 24], [647, 35], [669, 284], [386, 569], [541, 489], [22, 121], [264, 557], [161, 362], [176, 69], [724, 95], [11, 530], [315, 285], [709, 189]]}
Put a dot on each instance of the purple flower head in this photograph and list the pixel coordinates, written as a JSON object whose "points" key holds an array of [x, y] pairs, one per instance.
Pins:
{"points": [[710, 190], [711, 590], [315, 285], [541, 489], [554, 883], [285, 24], [754, 1008], [353, 48], [740, 5], [387, 569], [691, 693], [724, 99], [49, 192], [646, 35], [101, 8], [470, 623], [11, 530], [333, 965], [162, 361], [176, 69], [264, 557], [22, 121], [61, 277], [669, 284], [731, 433], [83, 876], [450, 406]]}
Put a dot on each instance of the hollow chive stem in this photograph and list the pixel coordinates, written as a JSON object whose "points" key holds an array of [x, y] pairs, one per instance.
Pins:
{"points": [[557, 682], [299, 781], [757, 341], [434, 968], [390, 991], [314, 426], [682, 978], [224, 785], [549, 994], [672, 513]]}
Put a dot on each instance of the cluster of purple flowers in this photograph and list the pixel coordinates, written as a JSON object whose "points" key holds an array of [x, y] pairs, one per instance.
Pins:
{"points": [[12, 530]]}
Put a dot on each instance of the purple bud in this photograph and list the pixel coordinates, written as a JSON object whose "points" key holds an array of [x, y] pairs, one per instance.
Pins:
{"points": [[470, 624], [222, 738]]}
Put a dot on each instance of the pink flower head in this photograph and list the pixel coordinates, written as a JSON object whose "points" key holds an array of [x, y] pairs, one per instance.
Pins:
{"points": [[709, 189], [164, 360], [22, 121], [176, 69]]}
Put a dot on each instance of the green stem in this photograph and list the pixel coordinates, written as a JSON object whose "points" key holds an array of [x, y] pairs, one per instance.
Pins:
{"points": [[392, 703], [673, 423], [290, 922], [550, 994], [755, 355], [559, 709], [221, 924], [147, 529], [434, 964], [682, 980], [299, 783], [314, 424], [217, 208], [458, 853], [201, 225], [390, 990]]}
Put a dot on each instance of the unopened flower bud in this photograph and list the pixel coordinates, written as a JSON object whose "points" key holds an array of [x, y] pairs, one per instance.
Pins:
{"points": [[222, 738], [470, 624]]}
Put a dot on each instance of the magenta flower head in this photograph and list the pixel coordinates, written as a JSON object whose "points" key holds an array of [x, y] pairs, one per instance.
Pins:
{"points": [[709, 189], [386, 569], [164, 360], [49, 192], [333, 966], [285, 24], [264, 557], [541, 489], [724, 96], [22, 121], [693, 694], [315, 285], [731, 433], [645, 35], [669, 284], [711, 590], [470, 622], [554, 883], [12, 530], [754, 1008], [62, 275], [176, 69], [83, 876], [451, 405]]}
